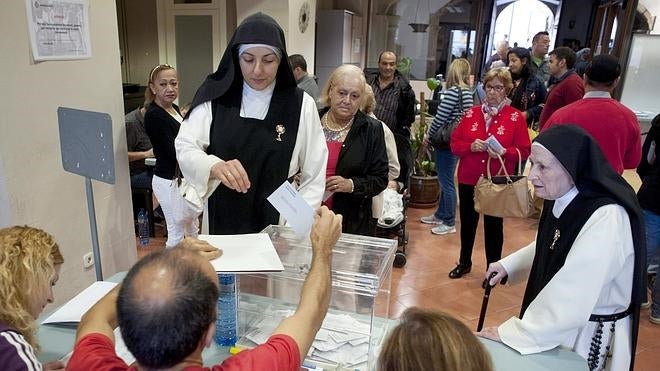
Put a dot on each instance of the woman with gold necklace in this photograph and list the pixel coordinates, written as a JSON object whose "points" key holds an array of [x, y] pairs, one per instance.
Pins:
{"points": [[357, 161]]}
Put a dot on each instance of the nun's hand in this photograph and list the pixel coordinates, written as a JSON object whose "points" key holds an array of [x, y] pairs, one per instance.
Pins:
{"points": [[232, 174], [500, 273]]}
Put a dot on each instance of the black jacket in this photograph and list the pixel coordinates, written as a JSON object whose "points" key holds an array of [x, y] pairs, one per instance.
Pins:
{"points": [[649, 193], [362, 159], [405, 111]]}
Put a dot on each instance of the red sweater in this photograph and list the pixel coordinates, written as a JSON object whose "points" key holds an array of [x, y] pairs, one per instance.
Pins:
{"points": [[563, 93], [510, 129], [612, 125], [96, 352]]}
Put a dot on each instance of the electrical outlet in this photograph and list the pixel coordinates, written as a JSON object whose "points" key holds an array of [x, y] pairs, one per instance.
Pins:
{"points": [[88, 260]]}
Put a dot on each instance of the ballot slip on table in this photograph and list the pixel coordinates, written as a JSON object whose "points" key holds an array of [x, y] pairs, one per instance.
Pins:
{"points": [[244, 253], [71, 312]]}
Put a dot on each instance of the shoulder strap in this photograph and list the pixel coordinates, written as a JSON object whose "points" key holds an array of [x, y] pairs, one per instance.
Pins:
{"points": [[460, 100]]}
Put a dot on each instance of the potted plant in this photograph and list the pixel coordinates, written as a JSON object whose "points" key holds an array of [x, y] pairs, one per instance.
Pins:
{"points": [[424, 186]]}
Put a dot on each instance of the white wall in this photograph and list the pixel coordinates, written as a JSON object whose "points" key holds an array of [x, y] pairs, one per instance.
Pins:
{"points": [[39, 192], [653, 6], [277, 9], [301, 43], [285, 12]]}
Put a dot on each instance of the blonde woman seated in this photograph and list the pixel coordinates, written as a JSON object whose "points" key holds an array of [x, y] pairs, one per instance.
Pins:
{"points": [[432, 341], [30, 262]]}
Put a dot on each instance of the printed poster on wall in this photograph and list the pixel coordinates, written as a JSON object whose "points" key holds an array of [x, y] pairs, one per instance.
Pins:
{"points": [[59, 29]]}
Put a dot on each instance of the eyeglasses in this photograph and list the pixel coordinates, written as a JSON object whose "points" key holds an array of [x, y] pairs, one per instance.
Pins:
{"points": [[161, 66], [498, 88]]}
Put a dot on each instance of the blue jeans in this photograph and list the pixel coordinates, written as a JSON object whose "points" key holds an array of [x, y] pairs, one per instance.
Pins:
{"points": [[445, 165], [652, 221], [141, 180]]}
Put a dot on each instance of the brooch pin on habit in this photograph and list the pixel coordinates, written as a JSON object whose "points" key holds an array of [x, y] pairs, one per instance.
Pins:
{"points": [[279, 129], [555, 238]]}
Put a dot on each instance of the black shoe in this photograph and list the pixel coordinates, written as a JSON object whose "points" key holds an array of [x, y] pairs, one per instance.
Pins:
{"points": [[460, 270], [158, 214]]}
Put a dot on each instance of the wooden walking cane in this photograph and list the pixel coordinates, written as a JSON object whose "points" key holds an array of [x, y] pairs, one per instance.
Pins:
{"points": [[484, 303]]}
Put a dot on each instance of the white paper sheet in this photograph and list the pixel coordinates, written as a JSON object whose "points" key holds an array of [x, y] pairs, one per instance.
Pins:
{"points": [[293, 207], [243, 253], [120, 349], [73, 310], [59, 29]]}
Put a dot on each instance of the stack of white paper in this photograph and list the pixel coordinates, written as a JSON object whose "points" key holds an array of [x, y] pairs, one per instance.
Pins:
{"points": [[342, 339], [73, 310], [244, 253]]}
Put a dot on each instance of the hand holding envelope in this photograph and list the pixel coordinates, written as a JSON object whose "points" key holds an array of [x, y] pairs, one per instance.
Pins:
{"points": [[494, 146], [293, 207]]}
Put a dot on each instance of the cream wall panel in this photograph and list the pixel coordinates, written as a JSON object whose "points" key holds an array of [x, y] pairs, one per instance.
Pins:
{"points": [[32, 182], [285, 12], [298, 42]]}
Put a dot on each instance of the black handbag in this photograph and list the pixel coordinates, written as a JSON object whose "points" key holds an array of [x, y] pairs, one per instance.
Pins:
{"points": [[442, 136]]}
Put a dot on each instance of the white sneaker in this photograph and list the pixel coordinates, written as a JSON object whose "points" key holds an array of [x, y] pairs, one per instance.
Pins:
{"points": [[431, 219], [443, 229]]}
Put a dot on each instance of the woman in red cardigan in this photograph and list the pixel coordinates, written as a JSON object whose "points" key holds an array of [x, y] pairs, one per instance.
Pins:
{"points": [[468, 141]]}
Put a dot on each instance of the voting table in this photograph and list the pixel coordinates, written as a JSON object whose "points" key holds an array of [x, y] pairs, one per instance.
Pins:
{"points": [[357, 322]]}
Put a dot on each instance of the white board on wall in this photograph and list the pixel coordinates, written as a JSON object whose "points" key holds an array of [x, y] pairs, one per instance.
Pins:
{"points": [[642, 80]]}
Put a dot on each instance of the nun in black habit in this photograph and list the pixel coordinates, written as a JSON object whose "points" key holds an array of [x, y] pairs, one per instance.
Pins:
{"points": [[586, 267], [248, 130]]}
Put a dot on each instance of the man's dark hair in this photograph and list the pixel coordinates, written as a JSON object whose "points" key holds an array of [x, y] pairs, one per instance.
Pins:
{"points": [[297, 60], [163, 334], [385, 51], [565, 53], [539, 34]]}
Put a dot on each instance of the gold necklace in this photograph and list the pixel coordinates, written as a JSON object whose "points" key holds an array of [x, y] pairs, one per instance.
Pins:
{"points": [[343, 128]]}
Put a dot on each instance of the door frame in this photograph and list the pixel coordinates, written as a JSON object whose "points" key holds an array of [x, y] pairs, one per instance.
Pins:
{"points": [[167, 10]]}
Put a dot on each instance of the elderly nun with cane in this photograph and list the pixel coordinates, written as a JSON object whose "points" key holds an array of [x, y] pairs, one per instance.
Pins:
{"points": [[586, 268]]}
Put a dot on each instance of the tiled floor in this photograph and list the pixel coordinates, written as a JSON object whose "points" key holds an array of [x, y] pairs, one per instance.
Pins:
{"points": [[423, 281]]}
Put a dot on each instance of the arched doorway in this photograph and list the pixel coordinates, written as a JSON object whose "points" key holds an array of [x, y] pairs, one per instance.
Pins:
{"points": [[520, 20]]}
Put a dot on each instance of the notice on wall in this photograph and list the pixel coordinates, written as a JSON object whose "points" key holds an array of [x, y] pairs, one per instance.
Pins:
{"points": [[59, 29]]}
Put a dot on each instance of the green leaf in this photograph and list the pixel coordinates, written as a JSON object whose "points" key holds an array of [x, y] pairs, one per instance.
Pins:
{"points": [[432, 83]]}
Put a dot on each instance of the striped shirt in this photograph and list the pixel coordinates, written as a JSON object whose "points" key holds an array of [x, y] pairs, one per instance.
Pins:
{"points": [[15, 352], [387, 102], [449, 108]]}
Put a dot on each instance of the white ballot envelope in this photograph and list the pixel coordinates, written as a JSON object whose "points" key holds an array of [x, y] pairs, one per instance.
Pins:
{"points": [[494, 144], [293, 207]]}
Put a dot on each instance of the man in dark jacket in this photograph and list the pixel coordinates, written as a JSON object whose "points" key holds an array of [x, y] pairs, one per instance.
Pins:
{"points": [[395, 106]]}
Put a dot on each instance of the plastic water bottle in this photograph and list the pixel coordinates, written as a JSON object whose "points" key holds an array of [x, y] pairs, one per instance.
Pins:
{"points": [[225, 326], [143, 227]]}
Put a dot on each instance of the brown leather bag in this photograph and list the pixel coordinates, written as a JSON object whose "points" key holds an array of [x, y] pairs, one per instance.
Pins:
{"points": [[505, 196]]}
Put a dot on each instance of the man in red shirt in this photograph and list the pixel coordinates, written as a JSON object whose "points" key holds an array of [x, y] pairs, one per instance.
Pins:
{"points": [[614, 126], [568, 86], [166, 309]]}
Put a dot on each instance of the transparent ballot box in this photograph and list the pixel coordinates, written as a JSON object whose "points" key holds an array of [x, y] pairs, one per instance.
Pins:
{"points": [[357, 320]]}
